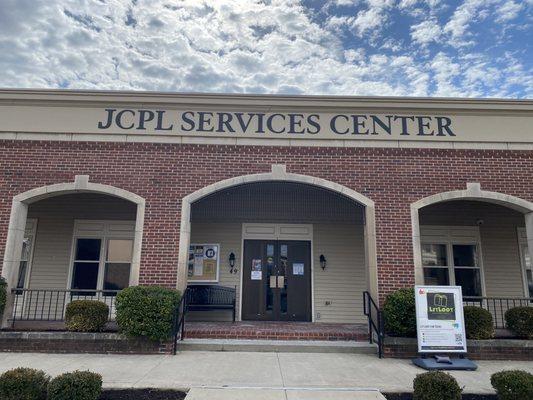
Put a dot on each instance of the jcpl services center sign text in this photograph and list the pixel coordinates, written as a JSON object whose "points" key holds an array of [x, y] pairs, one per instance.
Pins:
{"points": [[261, 124]]}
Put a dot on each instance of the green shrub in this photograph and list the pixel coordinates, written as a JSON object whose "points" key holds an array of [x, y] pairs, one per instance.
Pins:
{"points": [[436, 385], [520, 321], [3, 295], [478, 323], [77, 385], [147, 311], [400, 313], [86, 316], [513, 385], [23, 384]]}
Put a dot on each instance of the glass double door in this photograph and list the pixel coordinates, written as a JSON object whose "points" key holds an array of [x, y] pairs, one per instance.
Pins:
{"points": [[277, 280]]}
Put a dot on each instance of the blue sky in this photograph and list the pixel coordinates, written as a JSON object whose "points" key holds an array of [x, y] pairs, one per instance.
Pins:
{"points": [[465, 48]]}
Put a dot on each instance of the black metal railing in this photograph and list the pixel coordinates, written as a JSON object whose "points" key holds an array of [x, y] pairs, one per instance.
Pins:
{"points": [[376, 328], [178, 323], [49, 304], [498, 306]]}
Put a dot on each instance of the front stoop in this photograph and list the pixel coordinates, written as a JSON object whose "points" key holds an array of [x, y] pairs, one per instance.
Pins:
{"points": [[277, 346], [281, 394]]}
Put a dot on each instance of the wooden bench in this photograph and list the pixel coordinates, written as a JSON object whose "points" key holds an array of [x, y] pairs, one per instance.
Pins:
{"points": [[210, 297]]}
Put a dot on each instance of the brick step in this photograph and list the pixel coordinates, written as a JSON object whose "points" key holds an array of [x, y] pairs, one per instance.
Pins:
{"points": [[277, 346], [289, 331]]}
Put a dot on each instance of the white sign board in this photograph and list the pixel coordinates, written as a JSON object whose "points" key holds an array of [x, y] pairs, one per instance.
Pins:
{"points": [[439, 319]]}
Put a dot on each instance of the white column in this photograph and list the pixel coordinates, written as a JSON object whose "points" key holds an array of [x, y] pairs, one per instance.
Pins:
{"points": [[137, 245], [371, 252], [417, 251], [185, 240], [13, 250], [529, 234]]}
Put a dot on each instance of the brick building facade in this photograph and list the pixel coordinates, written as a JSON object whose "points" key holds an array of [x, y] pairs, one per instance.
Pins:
{"points": [[392, 174]]}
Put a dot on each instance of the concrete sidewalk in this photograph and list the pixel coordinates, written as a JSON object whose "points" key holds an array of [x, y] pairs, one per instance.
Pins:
{"points": [[281, 394], [252, 370]]}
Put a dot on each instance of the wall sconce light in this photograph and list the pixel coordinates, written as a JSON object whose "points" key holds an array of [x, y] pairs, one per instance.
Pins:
{"points": [[323, 262], [232, 269]]}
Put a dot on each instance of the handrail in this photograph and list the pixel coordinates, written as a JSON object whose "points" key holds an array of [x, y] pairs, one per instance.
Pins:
{"points": [[374, 325], [178, 323]]}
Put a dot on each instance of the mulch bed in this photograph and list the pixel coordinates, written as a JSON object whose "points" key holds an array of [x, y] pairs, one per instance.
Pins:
{"points": [[409, 396], [142, 394]]}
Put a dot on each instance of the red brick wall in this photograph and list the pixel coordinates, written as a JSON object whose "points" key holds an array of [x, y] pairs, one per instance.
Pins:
{"points": [[164, 173]]}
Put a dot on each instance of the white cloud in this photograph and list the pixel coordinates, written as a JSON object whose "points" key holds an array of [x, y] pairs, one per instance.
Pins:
{"points": [[426, 32], [445, 71], [508, 11], [461, 19], [274, 46], [372, 19]]}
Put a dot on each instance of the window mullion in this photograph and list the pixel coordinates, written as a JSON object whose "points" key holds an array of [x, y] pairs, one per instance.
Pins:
{"points": [[101, 264], [451, 264]]}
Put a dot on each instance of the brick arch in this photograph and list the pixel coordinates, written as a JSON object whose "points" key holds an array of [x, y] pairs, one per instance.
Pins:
{"points": [[19, 212], [473, 192], [279, 174]]}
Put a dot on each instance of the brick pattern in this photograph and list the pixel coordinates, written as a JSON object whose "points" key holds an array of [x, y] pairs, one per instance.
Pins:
{"points": [[64, 342], [275, 331], [497, 349], [164, 173]]}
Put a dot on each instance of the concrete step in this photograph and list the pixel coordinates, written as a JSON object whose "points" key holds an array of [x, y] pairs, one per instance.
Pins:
{"points": [[281, 394], [277, 346]]}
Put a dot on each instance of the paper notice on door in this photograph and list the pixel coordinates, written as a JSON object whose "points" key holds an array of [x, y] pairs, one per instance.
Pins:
{"points": [[297, 268], [256, 264], [257, 269]]}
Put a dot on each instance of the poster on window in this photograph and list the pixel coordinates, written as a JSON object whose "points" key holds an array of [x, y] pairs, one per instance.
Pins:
{"points": [[203, 263], [439, 319]]}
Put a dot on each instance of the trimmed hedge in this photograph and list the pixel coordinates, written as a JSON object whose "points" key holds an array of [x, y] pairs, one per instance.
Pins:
{"points": [[147, 311], [478, 323], [400, 313], [23, 384], [436, 385], [3, 295], [513, 385], [86, 316], [520, 321], [77, 385]]}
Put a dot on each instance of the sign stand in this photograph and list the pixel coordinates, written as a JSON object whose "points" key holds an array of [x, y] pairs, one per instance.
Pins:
{"points": [[441, 329]]}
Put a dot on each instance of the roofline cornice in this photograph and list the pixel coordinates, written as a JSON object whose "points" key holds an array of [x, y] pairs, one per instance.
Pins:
{"points": [[146, 99]]}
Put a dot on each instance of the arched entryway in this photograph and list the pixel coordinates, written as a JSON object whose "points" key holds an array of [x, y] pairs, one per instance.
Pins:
{"points": [[279, 223], [70, 234], [479, 240]]}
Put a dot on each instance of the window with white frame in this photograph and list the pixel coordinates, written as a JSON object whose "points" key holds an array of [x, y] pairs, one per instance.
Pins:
{"points": [[102, 255], [452, 262], [527, 264]]}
